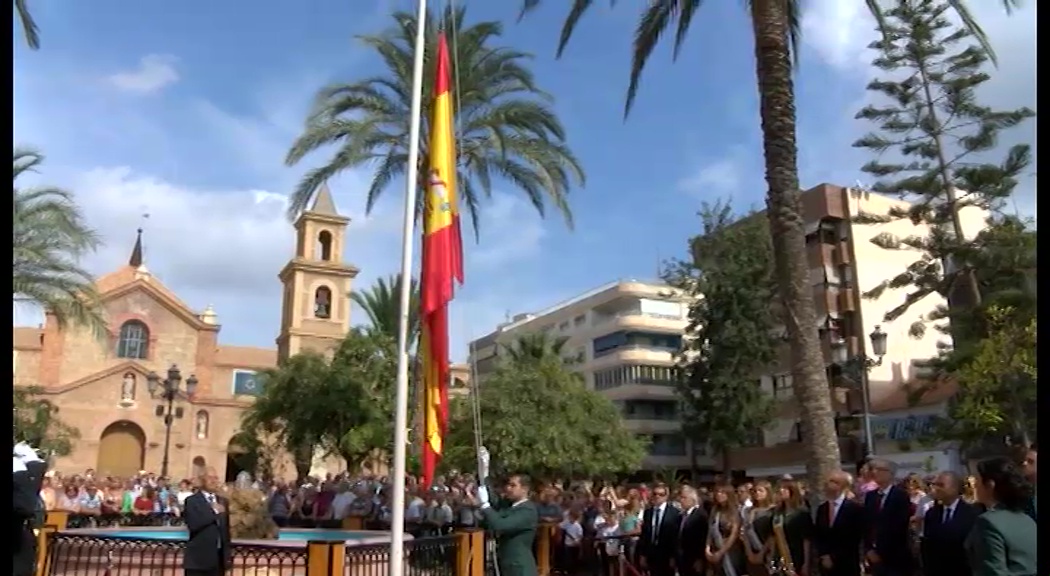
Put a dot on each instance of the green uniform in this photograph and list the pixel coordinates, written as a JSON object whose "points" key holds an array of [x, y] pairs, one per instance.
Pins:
{"points": [[1003, 543], [515, 530]]}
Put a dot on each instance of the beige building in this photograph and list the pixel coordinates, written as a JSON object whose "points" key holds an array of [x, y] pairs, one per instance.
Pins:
{"points": [[101, 387], [622, 338], [843, 265]]}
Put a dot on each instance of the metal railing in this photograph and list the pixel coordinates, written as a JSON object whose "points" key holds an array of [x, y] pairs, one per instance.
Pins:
{"points": [[427, 556], [75, 555], [122, 520]]}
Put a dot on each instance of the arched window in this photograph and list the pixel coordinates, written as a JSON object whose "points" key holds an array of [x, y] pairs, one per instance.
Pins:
{"points": [[134, 340], [323, 303], [201, 425], [324, 245]]}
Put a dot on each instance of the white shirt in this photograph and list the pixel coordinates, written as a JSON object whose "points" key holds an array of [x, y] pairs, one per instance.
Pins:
{"points": [[949, 511], [835, 506], [573, 533], [341, 504], [658, 519], [416, 509], [182, 495]]}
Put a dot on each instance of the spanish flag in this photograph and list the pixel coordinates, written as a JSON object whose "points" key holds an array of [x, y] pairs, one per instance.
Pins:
{"points": [[442, 262]]}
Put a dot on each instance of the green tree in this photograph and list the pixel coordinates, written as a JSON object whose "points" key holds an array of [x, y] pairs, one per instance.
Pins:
{"points": [[284, 409], [37, 423], [776, 27], [506, 126], [536, 346], [343, 405], [997, 384], [939, 134], [50, 236], [356, 406], [29, 27], [731, 329], [382, 304], [539, 417]]}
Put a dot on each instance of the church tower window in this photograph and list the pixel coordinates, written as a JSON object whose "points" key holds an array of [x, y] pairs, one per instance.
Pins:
{"points": [[324, 245], [323, 302], [133, 341]]}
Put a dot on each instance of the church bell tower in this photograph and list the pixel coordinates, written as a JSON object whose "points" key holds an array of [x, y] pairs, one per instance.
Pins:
{"points": [[315, 306]]}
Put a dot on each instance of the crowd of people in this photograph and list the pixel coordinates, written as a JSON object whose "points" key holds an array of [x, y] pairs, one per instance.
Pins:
{"points": [[938, 525]]}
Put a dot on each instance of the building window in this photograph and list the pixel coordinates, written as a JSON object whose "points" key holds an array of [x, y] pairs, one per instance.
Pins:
{"points": [[201, 425], [133, 341], [667, 445], [782, 386], [579, 320], [323, 303], [324, 245]]}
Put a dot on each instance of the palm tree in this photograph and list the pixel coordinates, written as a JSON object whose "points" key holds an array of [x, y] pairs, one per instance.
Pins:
{"points": [[382, 304], [50, 236], [29, 27], [506, 126], [537, 346], [776, 26]]}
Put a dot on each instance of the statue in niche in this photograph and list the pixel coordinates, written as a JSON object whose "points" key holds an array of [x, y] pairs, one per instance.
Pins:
{"points": [[127, 388], [202, 425]]}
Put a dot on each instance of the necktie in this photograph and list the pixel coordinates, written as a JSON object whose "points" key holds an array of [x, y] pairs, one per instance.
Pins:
{"points": [[831, 513], [211, 498], [684, 518], [878, 503], [658, 518], [947, 515]]}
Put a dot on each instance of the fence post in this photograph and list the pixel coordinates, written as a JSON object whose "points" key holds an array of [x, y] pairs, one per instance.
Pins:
{"points": [[57, 518], [353, 523], [319, 558], [42, 553], [470, 552], [543, 548]]}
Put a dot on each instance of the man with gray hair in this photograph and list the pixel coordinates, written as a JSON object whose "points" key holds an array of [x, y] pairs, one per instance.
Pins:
{"points": [[945, 528], [692, 533], [887, 549]]}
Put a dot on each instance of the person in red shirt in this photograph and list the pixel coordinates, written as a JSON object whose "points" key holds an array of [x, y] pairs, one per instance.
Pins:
{"points": [[324, 501], [144, 503]]}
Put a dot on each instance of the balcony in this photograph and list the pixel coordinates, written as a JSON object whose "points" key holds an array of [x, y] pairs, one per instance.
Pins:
{"points": [[788, 454], [637, 321], [637, 391], [633, 354], [651, 425]]}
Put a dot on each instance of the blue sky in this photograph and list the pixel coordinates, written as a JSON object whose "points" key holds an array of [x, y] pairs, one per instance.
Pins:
{"points": [[184, 111]]}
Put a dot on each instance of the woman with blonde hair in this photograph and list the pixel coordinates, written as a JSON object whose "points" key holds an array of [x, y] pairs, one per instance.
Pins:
{"points": [[724, 553], [790, 541], [758, 525]]}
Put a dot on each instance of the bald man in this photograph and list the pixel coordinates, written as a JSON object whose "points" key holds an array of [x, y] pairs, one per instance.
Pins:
{"points": [[208, 551], [839, 529]]}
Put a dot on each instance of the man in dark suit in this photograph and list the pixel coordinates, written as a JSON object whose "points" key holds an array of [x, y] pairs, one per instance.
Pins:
{"points": [[27, 477], [658, 543], [692, 534], [945, 528], [1029, 467], [838, 529], [888, 514], [514, 526], [208, 551]]}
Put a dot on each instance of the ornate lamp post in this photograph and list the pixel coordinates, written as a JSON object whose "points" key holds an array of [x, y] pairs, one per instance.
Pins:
{"points": [[169, 390], [856, 369]]}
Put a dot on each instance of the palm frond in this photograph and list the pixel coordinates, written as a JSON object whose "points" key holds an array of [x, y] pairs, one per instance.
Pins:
{"points": [[29, 26]]}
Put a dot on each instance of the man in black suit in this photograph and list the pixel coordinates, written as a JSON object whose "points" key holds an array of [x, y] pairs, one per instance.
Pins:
{"points": [[208, 551], [888, 514], [945, 527], [27, 477], [1030, 468], [839, 529], [659, 539], [692, 533]]}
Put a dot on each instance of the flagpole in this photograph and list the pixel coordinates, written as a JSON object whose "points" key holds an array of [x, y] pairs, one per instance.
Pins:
{"points": [[397, 516]]}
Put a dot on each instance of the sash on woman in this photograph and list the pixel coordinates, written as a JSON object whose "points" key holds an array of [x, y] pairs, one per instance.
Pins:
{"points": [[716, 535], [754, 543], [782, 565]]}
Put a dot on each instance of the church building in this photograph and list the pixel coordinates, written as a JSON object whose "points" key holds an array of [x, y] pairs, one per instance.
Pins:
{"points": [[101, 388]]}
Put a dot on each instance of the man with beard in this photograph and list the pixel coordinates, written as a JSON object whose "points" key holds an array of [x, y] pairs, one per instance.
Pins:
{"points": [[28, 475]]}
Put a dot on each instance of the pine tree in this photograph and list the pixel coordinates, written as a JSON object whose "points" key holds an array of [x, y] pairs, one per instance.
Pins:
{"points": [[940, 138], [730, 337]]}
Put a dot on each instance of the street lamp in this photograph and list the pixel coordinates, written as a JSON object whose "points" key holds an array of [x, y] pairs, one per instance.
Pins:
{"points": [[169, 391], [856, 369]]}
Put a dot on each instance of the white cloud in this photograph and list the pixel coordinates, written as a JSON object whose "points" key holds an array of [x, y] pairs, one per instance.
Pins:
{"points": [[153, 73], [713, 179]]}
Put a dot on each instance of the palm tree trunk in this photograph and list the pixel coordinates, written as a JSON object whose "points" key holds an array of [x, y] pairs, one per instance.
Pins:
{"points": [[787, 228]]}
